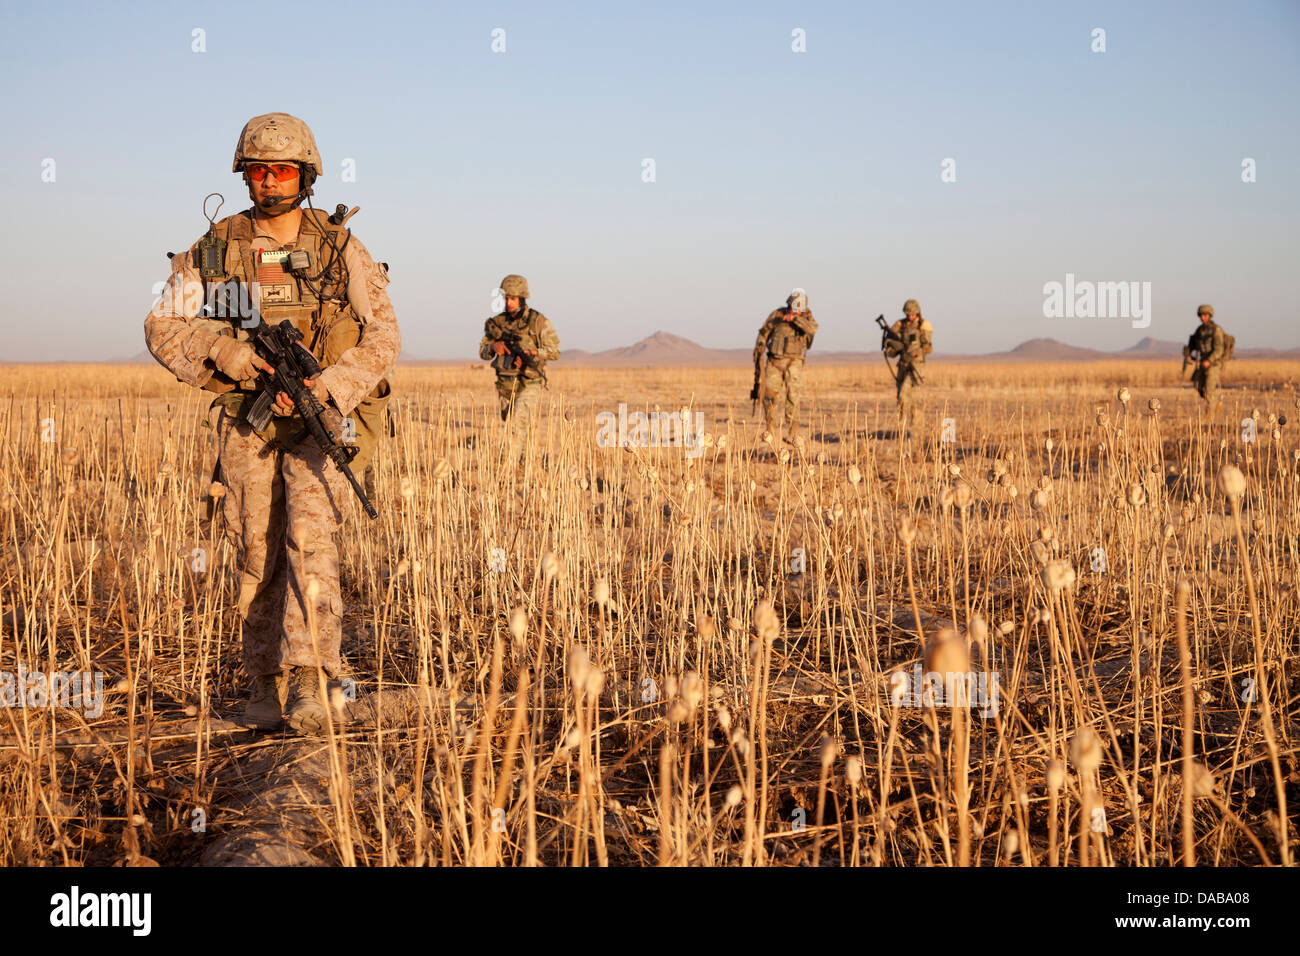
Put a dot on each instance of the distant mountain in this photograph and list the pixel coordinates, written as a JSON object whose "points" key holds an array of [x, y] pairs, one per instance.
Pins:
{"points": [[1162, 348], [1051, 350], [661, 348]]}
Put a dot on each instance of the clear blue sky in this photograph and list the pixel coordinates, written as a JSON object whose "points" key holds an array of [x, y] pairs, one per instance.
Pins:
{"points": [[774, 169]]}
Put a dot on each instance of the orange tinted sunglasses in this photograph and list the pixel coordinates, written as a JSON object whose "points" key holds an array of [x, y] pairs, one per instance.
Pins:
{"points": [[282, 171]]}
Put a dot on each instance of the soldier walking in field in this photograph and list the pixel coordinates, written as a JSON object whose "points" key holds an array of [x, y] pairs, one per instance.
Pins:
{"points": [[910, 340], [283, 499], [783, 341], [519, 342], [1208, 349]]}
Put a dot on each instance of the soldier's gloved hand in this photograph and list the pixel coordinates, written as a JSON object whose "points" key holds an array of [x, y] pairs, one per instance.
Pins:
{"points": [[236, 359], [499, 347], [333, 422]]}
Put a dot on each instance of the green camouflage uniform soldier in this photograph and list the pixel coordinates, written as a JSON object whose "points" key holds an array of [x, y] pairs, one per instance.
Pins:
{"points": [[910, 340], [521, 372], [785, 337], [1209, 344], [284, 500]]}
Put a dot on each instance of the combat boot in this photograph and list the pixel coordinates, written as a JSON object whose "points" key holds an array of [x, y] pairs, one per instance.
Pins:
{"points": [[306, 714], [263, 709]]}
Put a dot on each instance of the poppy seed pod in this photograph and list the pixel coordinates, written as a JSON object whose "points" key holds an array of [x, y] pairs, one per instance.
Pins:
{"points": [[1055, 775], [1085, 750], [766, 624], [906, 530], [1058, 576], [1231, 481]]}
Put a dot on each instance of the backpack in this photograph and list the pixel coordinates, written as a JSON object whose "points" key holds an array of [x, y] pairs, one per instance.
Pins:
{"points": [[1229, 343]]}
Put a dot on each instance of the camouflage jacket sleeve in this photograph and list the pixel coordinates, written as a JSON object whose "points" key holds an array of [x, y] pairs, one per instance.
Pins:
{"points": [[491, 332], [180, 347], [927, 338], [894, 341], [359, 369], [548, 341], [809, 326], [765, 333]]}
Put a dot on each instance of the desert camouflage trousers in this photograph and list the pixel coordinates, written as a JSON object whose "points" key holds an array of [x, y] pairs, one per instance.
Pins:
{"points": [[519, 398], [782, 375], [906, 389], [1207, 383], [283, 510]]}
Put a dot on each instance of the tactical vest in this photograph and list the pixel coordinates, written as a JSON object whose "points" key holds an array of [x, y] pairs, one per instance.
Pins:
{"points": [[911, 335], [528, 328], [786, 341], [1202, 342], [329, 327], [1204, 338]]}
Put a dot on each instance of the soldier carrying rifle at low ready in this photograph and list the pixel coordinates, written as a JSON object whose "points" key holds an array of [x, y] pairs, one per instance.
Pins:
{"points": [[910, 340], [1207, 350], [283, 495], [518, 342]]}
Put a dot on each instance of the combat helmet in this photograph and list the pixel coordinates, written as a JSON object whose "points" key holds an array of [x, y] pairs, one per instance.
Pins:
{"points": [[911, 307], [278, 138], [1205, 309], [798, 301], [515, 285]]}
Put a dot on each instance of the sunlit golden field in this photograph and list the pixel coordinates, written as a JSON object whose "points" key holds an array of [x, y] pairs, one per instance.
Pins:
{"points": [[634, 656]]}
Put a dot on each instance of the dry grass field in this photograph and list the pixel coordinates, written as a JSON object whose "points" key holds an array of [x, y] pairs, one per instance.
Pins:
{"points": [[640, 655]]}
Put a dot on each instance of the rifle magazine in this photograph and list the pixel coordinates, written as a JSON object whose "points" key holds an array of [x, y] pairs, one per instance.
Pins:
{"points": [[259, 415]]}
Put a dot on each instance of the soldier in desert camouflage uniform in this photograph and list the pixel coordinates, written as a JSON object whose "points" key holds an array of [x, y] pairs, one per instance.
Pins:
{"points": [[786, 336], [284, 500], [910, 340], [1210, 346], [521, 372]]}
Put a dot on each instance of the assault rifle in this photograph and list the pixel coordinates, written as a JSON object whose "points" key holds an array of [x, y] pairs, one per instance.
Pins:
{"points": [[516, 350], [281, 346], [887, 336], [1191, 355], [756, 392]]}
